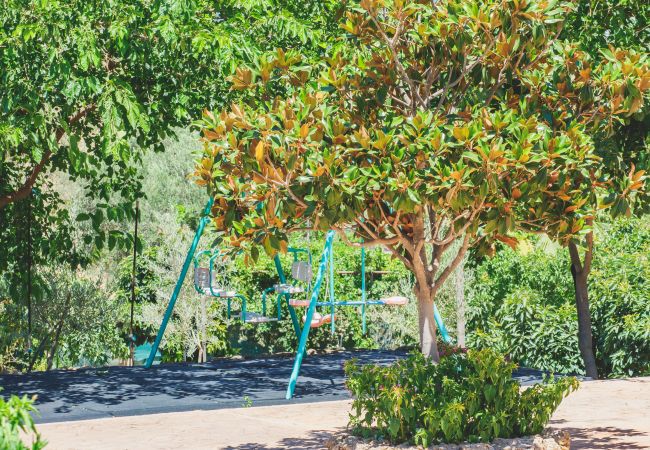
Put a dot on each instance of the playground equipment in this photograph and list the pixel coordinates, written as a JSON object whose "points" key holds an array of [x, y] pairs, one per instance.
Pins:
{"points": [[212, 279]]}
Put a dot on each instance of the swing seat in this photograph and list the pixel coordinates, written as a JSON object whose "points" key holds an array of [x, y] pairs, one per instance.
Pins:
{"points": [[253, 317], [287, 289], [202, 278], [296, 302], [318, 320], [202, 283], [302, 271], [224, 293], [396, 300]]}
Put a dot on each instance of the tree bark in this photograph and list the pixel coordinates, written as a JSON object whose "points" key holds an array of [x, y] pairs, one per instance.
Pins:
{"points": [[427, 324], [460, 305], [580, 275]]}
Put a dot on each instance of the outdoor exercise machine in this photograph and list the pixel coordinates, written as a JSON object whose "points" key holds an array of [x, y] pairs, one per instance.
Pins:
{"points": [[212, 279]]}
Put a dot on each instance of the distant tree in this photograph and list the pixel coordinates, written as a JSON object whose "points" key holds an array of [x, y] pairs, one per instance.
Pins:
{"points": [[87, 87], [602, 29], [435, 122]]}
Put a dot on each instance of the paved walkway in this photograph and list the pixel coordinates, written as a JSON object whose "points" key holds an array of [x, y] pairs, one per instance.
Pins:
{"points": [[600, 415]]}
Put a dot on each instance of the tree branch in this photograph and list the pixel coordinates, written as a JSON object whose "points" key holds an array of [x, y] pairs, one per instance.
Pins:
{"points": [[452, 266], [26, 188]]}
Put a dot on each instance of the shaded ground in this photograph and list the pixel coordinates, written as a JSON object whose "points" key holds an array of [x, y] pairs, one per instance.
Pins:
{"points": [[600, 415], [126, 391]]}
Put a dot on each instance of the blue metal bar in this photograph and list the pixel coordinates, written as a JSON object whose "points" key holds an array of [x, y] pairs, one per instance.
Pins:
{"points": [[352, 303], [179, 283], [332, 294], [264, 293], [363, 290], [211, 265], [283, 280], [322, 267], [441, 325]]}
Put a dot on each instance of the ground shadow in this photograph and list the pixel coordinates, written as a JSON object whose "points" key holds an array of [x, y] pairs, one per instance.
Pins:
{"points": [[315, 440], [64, 395], [597, 438]]}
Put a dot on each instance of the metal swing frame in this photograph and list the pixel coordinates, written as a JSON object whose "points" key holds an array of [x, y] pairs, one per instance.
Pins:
{"points": [[327, 259], [315, 284], [205, 218]]}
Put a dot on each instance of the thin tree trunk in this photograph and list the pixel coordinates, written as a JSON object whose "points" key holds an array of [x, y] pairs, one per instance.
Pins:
{"points": [[59, 327], [202, 335], [460, 305], [54, 346], [580, 275], [427, 324]]}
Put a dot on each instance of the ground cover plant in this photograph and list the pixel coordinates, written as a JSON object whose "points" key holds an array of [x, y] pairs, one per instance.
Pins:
{"points": [[16, 417], [469, 396]]}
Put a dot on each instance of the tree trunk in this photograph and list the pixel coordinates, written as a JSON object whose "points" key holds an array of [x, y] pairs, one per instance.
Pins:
{"points": [[57, 334], [585, 340], [427, 324], [460, 305], [203, 357]]}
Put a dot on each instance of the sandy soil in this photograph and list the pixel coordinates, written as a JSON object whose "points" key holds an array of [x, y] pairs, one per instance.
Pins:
{"points": [[600, 415]]}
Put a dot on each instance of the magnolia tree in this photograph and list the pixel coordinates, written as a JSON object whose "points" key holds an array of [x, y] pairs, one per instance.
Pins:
{"points": [[435, 122], [616, 183], [620, 135]]}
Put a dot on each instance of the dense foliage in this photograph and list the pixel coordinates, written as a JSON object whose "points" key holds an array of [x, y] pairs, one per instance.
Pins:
{"points": [[434, 122], [16, 418], [521, 302], [467, 397], [87, 88]]}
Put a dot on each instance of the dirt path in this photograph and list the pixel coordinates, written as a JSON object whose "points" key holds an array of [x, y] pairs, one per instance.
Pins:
{"points": [[600, 415]]}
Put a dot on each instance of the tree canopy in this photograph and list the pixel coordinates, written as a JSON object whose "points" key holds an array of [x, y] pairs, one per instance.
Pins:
{"points": [[432, 123], [87, 87]]}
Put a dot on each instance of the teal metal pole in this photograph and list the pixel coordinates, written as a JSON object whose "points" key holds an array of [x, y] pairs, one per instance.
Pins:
{"points": [[332, 296], [283, 280], [179, 284], [441, 325], [310, 314], [363, 290]]}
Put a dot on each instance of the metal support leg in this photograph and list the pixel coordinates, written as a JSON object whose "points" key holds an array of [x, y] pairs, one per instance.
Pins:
{"points": [[332, 295], [310, 314], [441, 325], [363, 290], [179, 284]]}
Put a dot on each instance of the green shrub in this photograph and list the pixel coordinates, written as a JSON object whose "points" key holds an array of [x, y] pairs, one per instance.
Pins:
{"points": [[620, 300], [466, 397], [533, 333], [16, 417], [521, 302]]}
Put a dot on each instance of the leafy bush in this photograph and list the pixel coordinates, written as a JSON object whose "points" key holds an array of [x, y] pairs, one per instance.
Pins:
{"points": [[521, 302], [620, 300], [467, 396], [15, 417], [533, 333]]}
